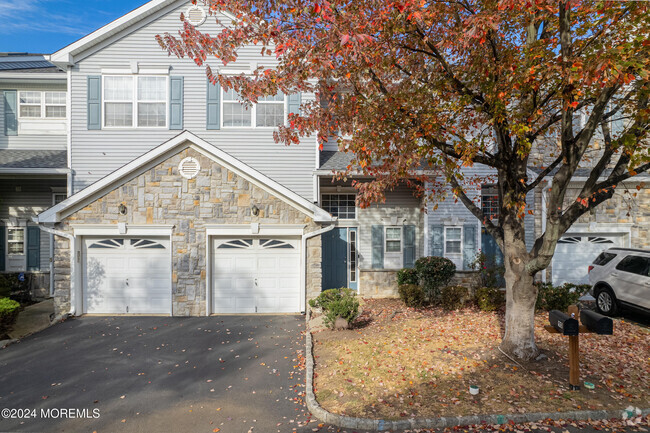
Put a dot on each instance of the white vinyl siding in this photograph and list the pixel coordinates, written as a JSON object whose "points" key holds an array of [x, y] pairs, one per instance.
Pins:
{"points": [[96, 153]]}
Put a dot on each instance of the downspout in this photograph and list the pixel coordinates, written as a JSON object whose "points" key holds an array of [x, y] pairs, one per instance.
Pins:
{"points": [[304, 254], [548, 185], [73, 261]]}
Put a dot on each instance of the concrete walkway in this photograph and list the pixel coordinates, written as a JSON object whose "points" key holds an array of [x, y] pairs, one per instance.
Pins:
{"points": [[33, 319]]}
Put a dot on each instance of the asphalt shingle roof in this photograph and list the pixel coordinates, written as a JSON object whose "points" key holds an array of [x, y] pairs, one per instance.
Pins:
{"points": [[16, 158], [331, 160]]}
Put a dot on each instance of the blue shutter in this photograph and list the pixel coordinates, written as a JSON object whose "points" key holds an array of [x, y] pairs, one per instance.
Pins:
{"points": [[33, 248], [378, 247], [11, 108], [94, 102], [437, 241], [409, 246], [213, 106], [470, 247], [176, 103], [294, 103], [2, 248]]}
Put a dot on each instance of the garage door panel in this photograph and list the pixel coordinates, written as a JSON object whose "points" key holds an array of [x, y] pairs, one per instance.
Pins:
{"points": [[127, 276], [575, 252], [262, 276]]}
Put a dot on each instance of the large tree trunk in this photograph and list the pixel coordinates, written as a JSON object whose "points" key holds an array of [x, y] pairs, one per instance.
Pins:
{"points": [[521, 294]]}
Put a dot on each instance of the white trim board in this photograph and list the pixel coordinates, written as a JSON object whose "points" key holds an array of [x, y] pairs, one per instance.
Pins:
{"points": [[252, 230], [113, 230], [162, 153]]}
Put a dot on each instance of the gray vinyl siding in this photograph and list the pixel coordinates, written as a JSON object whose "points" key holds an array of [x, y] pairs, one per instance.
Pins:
{"points": [[34, 197], [399, 203], [450, 208], [97, 153], [50, 142]]}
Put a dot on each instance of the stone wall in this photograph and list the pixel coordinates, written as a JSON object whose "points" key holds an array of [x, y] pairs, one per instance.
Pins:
{"points": [[378, 283], [161, 196]]}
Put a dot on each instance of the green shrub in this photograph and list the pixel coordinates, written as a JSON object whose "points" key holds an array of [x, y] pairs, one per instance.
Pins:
{"points": [[337, 303], [550, 297], [434, 273], [489, 272], [407, 276], [489, 298], [412, 295], [11, 286], [8, 312], [454, 297]]}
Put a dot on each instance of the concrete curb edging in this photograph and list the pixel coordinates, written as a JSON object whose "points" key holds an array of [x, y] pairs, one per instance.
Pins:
{"points": [[422, 423]]}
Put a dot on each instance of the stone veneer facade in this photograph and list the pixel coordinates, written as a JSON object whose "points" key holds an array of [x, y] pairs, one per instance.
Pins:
{"points": [[162, 196]]}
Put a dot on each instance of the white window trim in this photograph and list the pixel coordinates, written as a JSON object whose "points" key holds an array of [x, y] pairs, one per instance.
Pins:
{"points": [[336, 192], [458, 254], [253, 111], [356, 259], [43, 105], [394, 255], [134, 101], [7, 242]]}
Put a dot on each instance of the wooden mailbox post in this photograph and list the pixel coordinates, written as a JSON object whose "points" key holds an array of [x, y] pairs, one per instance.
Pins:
{"points": [[568, 325]]}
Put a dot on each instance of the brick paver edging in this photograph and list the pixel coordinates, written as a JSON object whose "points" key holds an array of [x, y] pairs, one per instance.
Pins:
{"points": [[421, 423]]}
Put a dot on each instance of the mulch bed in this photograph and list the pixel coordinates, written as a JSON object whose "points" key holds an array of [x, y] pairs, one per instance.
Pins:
{"points": [[399, 362]]}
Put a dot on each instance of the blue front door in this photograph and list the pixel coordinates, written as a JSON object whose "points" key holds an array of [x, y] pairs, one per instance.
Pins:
{"points": [[492, 252], [339, 258]]}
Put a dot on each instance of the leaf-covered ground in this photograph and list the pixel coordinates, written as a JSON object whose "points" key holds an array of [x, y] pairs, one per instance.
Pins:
{"points": [[401, 362]]}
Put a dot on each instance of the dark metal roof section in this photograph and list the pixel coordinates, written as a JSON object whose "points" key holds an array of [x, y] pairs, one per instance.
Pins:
{"points": [[25, 62], [15, 158]]}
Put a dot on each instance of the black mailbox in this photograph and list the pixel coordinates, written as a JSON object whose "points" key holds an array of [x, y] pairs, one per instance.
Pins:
{"points": [[563, 323], [597, 322]]}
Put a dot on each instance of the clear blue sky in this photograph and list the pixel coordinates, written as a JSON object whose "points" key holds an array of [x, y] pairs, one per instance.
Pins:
{"points": [[45, 26]]}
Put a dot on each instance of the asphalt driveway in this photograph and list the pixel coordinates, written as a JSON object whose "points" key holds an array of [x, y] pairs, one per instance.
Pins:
{"points": [[167, 374]]}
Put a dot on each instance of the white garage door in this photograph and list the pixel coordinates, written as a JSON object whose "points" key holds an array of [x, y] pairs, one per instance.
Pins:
{"points": [[574, 253], [256, 275], [127, 275]]}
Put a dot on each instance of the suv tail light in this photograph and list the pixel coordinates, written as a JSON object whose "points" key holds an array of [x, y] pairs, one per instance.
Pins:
{"points": [[589, 268]]}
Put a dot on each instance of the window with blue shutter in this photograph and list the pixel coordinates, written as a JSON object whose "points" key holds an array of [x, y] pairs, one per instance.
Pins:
{"points": [[94, 97], [470, 245], [2, 248], [176, 103], [294, 103], [409, 246], [377, 247], [213, 117], [11, 110], [437, 241], [33, 248]]}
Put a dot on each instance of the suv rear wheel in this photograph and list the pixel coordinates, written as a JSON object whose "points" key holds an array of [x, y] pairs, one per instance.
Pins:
{"points": [[606, 301]]}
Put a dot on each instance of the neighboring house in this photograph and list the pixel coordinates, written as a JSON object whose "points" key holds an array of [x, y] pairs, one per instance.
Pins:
{"points": [[33, 162]]}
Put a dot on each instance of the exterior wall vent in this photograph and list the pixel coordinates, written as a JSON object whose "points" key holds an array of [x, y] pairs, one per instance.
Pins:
{"points": [[189, 168], [195, 15]]}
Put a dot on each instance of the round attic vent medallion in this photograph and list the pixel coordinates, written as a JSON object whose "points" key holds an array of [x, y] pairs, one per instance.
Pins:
{"points": [[189, 168], [195, 15]]}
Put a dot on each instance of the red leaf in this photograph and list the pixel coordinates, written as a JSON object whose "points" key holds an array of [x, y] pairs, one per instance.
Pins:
{"points": [[345, 39]]}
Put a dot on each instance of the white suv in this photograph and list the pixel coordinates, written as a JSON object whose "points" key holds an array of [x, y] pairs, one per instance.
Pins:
{"points": [[620, 277]]}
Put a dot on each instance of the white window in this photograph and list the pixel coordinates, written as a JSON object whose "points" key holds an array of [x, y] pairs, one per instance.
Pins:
{"points": [[141, 97], [15, 241], [340, 205], [41, 105], [393, 247], [269, 111], [453, 244]]}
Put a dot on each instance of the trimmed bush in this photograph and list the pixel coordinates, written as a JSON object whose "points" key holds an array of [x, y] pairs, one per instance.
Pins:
{"points": [[434, 273], [9, 310], [454, 297], [336, 303], [412, 295], [407, 276], [489, 298], [550, 297]]}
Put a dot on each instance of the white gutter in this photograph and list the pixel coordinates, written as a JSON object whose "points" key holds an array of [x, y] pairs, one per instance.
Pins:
{"points": [[549, 183], [304, 256], [22, 76], [73, 261]]}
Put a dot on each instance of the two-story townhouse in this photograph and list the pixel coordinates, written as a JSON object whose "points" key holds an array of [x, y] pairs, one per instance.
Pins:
{"points": [[33, 162]]}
